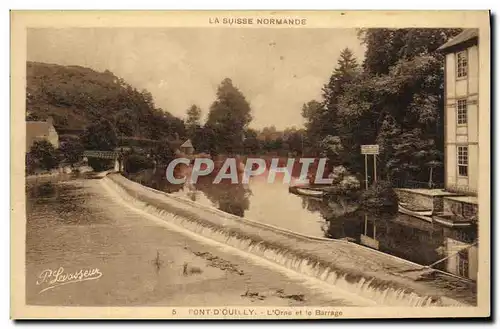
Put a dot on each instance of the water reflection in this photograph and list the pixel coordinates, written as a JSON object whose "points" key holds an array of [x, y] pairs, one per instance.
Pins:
{"points": [[421, 242], [336, 217], [231, 198]]}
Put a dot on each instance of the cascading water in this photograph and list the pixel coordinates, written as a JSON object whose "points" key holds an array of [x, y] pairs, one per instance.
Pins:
{"points": [[195, 219]]}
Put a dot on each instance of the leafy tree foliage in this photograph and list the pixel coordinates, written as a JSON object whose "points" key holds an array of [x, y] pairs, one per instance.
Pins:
{"points": [[332, 147], [251, 143], [100, 136], [204, 140], [76, 97], [137, 162], [71, 149], [380, 198], [193, 115], [42, 155], [228, 117], [315, 115], [163, 152], [395, 100]]}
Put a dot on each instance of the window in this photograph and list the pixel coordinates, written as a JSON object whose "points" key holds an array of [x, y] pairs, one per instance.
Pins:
{"points": [[463, 263], [463, 160], [462, 111], [462, 64]]}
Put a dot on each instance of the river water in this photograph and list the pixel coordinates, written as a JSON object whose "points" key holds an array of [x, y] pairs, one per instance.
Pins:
{"points": [[400, 235], [73, 225]]}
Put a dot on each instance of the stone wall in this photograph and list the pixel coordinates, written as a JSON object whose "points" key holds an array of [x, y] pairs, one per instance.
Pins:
{"points": [[415, 200]]}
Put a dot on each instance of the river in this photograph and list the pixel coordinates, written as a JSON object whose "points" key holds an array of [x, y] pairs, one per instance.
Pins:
{"points": [[73, 224]]}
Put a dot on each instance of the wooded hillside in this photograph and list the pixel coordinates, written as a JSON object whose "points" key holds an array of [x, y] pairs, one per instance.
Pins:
{"points": [[76, 96]]}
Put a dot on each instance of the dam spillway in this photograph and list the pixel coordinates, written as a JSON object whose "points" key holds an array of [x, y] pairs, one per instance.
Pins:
{"points": [[352, 268]]}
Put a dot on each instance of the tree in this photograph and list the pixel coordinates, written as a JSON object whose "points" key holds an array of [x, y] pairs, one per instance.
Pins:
{"points": [[43, 155], [204, 140], [251, 143], [162, 152], [125, 122], [331, 147], [137, 162], [296, 140], [228, 117], [77, 97], [314, 113], [323, 120], [396, 102], [193, 116], [193, 120], [342, 75], [385, 47], [100, 136]]}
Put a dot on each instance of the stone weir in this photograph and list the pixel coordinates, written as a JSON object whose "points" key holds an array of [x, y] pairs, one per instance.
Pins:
{"points": [[383, 279]]}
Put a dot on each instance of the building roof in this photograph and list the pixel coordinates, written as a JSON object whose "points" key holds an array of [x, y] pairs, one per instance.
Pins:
{"points": [[466, 35], [36, 131], [37, 128], [187, 144]]}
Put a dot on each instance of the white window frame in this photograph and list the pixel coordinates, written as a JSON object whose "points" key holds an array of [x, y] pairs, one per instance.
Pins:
{"points": [[462, 115], [463, 159], [462, 64]]}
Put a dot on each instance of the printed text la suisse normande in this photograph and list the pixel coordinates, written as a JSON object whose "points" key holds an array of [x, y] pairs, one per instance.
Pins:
{"points": [[257, 21]]}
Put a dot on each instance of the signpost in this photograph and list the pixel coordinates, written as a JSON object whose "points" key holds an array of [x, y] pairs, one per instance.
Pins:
{"points": [[370, 150]]}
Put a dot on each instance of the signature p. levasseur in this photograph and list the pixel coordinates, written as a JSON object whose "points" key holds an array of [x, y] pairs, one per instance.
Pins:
{"points": [[58, 277]]}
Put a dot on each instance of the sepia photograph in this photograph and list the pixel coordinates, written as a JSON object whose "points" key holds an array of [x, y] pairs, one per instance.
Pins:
{"points": [[257, 165]]}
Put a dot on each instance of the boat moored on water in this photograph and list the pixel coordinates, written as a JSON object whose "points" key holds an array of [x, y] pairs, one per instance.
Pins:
{"points": [[306, 191], [451, 221], [424, 214], [309, 192]]}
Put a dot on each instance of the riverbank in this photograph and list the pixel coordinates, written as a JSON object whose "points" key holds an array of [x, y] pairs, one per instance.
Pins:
{"points": [[386, 279], [59, 173]]}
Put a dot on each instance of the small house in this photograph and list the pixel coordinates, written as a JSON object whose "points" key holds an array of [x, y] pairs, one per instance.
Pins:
{"points": [[41, 130], [187, 147]]}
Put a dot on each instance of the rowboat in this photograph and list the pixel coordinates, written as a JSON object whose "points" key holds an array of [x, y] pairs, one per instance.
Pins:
{"points": [[309, 192], [449, 221], [306, 191]]}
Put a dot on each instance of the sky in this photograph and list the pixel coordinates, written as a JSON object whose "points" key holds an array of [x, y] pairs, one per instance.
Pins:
{"points": [[278, 70]]}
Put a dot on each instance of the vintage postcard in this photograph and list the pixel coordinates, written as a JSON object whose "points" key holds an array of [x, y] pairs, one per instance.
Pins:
{"points": [[250, 164]]}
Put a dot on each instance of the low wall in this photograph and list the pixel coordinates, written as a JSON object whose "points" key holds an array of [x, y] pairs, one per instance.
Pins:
{"points": [[461, 208], [417, 200], [348, 266]]}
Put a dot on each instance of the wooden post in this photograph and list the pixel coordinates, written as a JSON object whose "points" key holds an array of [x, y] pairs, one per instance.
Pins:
{"points": [[366, 171], [375, 168]]}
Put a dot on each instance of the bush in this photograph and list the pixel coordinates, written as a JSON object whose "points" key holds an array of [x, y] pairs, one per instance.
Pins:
{"points": [[42, 155], [380, 198], [136, 162], [100, 164], [71, 149], [349, 183], [343, 182]]}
